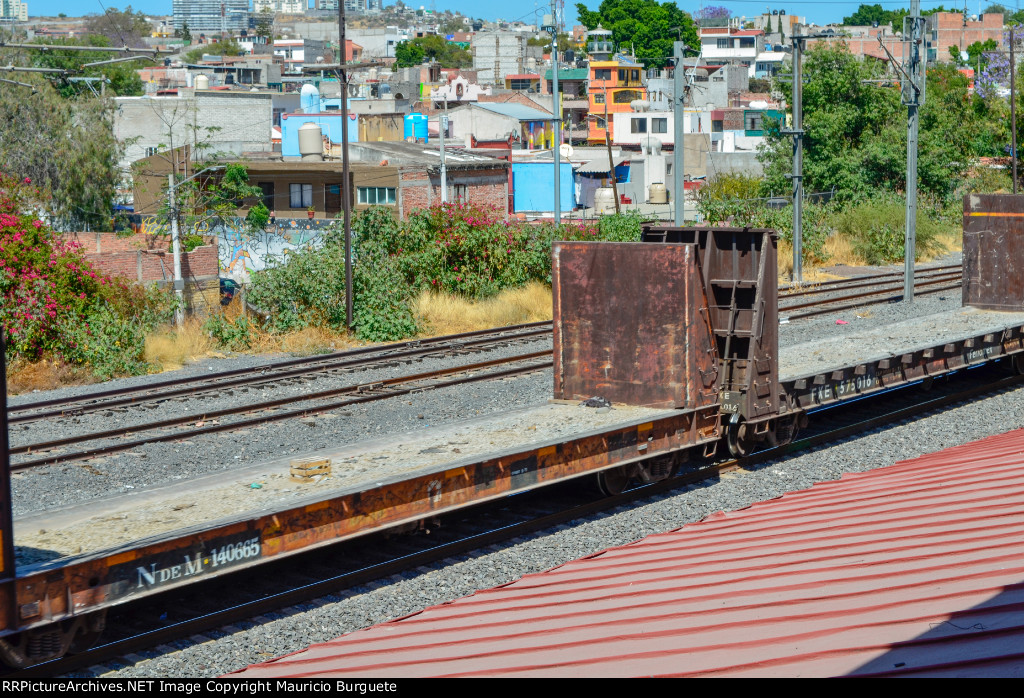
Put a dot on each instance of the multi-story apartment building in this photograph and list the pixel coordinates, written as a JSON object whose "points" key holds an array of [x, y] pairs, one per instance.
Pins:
{"points": [[728, 45], [14, 10], [285, 7], [211, 15], [615, 81]]}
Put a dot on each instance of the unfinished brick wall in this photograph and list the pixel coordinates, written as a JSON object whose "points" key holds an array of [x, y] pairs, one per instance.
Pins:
{"points": [[417, 189], [145, 259]]}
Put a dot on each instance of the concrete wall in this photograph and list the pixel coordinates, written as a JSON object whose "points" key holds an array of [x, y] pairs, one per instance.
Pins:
{"points": [[233, 122], [534, 187], [497, 54]]}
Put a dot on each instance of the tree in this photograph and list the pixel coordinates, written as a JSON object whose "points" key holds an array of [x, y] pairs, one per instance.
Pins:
{"points": [[645, 26], [121, 28], [265, 24], [123, 79], [869, 14], [186, 34], [433, 48], [217, 48], [69, 149], [856, 130]]}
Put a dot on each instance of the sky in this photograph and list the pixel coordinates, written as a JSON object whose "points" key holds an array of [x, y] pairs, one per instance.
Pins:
{"points": [[816, 11]]}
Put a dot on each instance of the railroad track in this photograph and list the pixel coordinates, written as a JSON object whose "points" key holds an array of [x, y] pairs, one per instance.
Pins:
{"points": [[304, 405], [448, 345], [287, 370], [213, 604]]}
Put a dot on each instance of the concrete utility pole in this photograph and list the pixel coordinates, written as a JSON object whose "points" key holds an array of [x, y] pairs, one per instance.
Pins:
{"points": [[557, 111], [798, 155], [679, 89], [179, 284], [442, 128], [346, 189], [912, 96]]}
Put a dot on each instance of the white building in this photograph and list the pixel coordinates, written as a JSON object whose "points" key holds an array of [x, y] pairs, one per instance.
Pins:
{"points": [[211, 15], [284, 7], [726, 45], [14, 10]]}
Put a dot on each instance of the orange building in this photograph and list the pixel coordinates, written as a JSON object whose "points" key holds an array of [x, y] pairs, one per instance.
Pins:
{"points": [[615, 81]]}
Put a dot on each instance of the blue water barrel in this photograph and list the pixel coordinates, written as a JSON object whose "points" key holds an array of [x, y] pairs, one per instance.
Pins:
{"points": [[416, 127]]}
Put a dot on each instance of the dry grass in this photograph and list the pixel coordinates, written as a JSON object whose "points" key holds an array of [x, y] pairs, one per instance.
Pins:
{"points": [[839, 249], [445, 314], [24, 377], [811, 275], [170, 348]]}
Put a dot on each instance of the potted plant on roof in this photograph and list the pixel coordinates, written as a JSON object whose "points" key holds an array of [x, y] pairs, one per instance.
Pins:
{"points": [[311, 211]]}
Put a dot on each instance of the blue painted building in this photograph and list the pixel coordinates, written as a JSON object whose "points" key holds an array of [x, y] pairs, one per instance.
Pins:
{"points": [[330, 126], [534, 189]]}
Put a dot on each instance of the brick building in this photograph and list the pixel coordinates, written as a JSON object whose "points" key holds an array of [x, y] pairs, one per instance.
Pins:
{"points": [[146, 258], [959, 30]]}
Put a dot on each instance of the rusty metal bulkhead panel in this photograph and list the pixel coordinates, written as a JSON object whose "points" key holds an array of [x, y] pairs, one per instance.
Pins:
{"points": [[740, 269], [994, 251], [631, 325]]}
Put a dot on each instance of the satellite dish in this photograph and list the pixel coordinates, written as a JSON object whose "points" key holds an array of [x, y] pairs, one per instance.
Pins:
{"points": [[565, 150]]}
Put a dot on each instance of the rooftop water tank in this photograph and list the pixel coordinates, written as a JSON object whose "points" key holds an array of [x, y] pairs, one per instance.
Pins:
{"points": [[659, 194], [202, 82], [604, 200], [416, 128], [309, 99], [311, 142]]}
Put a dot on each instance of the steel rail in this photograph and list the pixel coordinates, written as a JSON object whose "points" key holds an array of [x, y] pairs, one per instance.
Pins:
{"points": [[271, 372], [339, 582], [850, 306], [817, 291], [852, 279], [394, 387], [867, 294]]}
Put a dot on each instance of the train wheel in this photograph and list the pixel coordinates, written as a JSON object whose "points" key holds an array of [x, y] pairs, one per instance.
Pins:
{"points": [[737, 442], [1018, 363], [38, 645], [614, 480]]}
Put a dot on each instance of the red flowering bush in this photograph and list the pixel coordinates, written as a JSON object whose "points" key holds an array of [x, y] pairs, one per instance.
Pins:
{"points": [[54, 303]]}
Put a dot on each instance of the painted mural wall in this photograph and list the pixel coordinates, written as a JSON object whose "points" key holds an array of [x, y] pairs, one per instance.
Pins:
{"points": [[240, 252]]}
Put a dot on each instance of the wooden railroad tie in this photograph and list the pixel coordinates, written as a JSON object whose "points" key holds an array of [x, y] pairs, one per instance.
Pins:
{"points": [[309, 469]]}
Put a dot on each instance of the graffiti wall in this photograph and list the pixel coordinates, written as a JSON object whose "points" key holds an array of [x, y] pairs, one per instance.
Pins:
{"points": [[241, 253]]}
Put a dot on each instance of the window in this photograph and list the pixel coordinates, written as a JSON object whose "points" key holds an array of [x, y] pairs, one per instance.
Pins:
{"points": [[332, 198], [599, 98], [725, 43], [521, 84], [602, 73], [753, 121], [300, 195], [268, 194], [747, 42], [622, 76], [460, 192], [600, 123], [638, 125], [152, 151], [626, 96], [716, 126], [659, 125], [377, 196], [634, 75]]}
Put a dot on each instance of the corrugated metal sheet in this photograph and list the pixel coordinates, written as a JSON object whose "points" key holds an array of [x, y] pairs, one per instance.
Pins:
{"points": [[914, 569], [599, 165]]}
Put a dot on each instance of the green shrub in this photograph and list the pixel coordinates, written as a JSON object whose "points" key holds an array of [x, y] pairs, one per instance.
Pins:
{"points": [[234, 335], [54, 303], [876, 229]]}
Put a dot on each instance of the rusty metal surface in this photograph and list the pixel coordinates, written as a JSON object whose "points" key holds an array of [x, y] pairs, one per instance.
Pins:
{"points": [[850, 382], [68, 587], [7, 563], [910, 570], [993, 254], [630, 325], [740, 271]]}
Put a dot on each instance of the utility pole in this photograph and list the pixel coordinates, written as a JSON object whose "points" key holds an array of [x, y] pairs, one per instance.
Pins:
{"points": [[679, 88], [179, 284], [912, 96], [608, 144], [346, 189], [557, 111], [442, 127], [798, 155]]}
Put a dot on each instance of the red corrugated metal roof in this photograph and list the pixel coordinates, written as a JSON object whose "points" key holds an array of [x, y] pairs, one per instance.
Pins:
{"points": [[916, 569]]}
